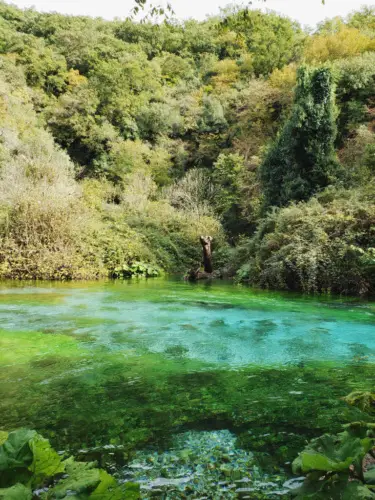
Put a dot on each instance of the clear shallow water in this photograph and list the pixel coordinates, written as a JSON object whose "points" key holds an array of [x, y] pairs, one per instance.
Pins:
{"points": [[117, 372], [215, 323]]}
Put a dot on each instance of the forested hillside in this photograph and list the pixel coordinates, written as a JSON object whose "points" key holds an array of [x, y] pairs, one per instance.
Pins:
{"points": [[122, 142]]}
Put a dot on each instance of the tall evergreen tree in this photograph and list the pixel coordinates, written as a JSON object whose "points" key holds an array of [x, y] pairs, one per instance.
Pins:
{"points": [[302, 159]]}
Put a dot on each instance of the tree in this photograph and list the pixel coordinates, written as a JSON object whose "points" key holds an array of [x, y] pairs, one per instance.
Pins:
{"points": [[338, 43], [207, 253], [272, 40], [228, 177], [302, 159], [355, 93]]}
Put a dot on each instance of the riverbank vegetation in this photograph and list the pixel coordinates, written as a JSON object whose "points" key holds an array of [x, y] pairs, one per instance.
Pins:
{"points": [[122, 142]]}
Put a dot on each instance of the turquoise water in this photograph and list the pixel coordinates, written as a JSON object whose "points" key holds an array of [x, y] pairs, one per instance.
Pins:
{"points": [[213, 384], [218, 323]]}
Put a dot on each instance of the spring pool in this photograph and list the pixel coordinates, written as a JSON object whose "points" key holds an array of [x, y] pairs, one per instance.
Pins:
{"points": [[125, 371]]}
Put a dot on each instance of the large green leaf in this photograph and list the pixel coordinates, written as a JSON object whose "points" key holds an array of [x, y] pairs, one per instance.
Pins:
{"points": [[357, 491], [333, 453], [16, 492], [82, 479], [46, 462], [3, 437], [337, 487], [132, 491], [369, 476], [109, 489], [15, 458], [26, 457], [15, 451]]}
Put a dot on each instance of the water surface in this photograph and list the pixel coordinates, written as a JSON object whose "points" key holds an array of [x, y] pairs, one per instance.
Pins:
{"points": [[214, 323], [137, 366]]}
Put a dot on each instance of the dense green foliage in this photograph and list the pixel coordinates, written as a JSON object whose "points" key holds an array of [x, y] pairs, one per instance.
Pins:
{"points": [[28, 464], [122, 142], [302, 160], [342, 465], [324, 245], [334, 465]]}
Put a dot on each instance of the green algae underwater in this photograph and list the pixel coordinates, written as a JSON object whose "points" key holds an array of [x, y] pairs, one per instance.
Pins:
{"points": [[161, 380]]}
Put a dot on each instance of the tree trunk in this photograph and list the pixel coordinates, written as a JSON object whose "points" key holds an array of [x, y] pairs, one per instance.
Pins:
{"points": [[207, 253], [196, 274]]}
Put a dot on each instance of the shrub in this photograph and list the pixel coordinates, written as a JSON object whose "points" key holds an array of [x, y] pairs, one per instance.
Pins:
{"points": [[43, 218], [170, 227], [325, 245], [358, 156], [193, 193]]}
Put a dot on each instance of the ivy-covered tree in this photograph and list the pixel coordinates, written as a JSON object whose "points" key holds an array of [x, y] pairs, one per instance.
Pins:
{"points": [[302, 160]]}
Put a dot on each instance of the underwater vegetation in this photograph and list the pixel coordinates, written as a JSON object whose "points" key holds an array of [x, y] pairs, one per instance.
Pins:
{"points": [[80, 397], [203, 464], [155, 389]]}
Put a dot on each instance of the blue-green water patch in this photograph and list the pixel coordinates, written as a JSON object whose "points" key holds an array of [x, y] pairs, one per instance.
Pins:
{"points": [[220, 324]]}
